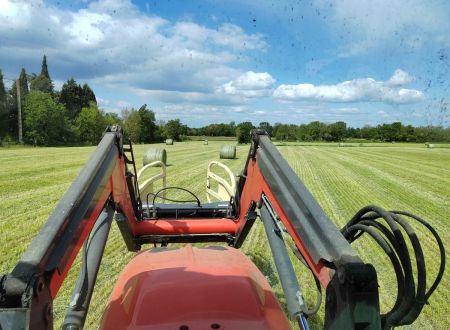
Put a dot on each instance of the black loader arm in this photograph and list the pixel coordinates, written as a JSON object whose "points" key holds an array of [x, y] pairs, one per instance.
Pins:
{"points": [[103, 186]]}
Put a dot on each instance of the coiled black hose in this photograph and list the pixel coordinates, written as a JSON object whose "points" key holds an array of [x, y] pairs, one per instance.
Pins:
{"points": [[410, 300]]}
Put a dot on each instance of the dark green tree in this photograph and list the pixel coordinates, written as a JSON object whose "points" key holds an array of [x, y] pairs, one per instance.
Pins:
{"points": [[368, 132], [132, 124], [409, 134], [90, 124], [281, 132], [286, 132], [160, 133], [173, 129], [43, 82], [337, 131], [317, 130], [303, 133], [45, 120], [243, 132], [87, 96], [71, 96], [232, 128], [112, 118], [148, 125], [23, 82], [44, 68], [12, 125], [214, 130]]}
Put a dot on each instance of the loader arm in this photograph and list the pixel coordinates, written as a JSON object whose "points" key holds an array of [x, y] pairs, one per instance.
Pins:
{"points": [[269, 183]]}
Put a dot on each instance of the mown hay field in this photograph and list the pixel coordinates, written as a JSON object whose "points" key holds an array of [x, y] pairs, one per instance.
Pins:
{"points": [[406, 177]]}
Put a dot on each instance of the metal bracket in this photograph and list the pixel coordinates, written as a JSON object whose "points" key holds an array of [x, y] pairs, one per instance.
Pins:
{"points": [[249, 220], [352, 298]]}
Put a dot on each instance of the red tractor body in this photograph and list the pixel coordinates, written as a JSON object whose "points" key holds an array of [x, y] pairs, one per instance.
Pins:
{"points": [[192, 288]]}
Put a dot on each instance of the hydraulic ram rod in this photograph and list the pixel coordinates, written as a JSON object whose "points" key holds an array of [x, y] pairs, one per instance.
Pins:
{"points": [[93, 252], [285, 270]]}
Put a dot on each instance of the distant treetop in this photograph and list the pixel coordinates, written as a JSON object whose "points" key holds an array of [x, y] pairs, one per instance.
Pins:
{"points": [[44, 68]]}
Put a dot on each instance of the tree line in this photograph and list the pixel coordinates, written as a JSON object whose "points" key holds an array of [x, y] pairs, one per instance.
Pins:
{"points": [[71, 116], [339, 131], [333, 132]]}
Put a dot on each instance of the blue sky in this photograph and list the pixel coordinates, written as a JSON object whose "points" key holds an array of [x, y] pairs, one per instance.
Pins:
{"points": [[364, 62]]}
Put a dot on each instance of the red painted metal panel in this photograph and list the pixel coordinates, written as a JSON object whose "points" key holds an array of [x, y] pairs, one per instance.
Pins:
{"points": [[193, 288], [255, 186], [185, 226]]}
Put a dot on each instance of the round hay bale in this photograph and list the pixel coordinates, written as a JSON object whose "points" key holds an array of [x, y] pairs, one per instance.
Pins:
{"points": [[430, 145], [341, 145], [154, 154], [205, 142], [169, 142], [228, 152]]}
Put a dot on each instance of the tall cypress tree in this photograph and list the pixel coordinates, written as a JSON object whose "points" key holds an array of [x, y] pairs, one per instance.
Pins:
{"points": [[44, 68], [43, 82]]}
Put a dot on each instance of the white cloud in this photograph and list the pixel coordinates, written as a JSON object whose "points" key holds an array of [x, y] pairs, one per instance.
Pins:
{"points": [[112, 43], [233, 36], [250, 84], [227, 35], [400, 78], [356, 90]]}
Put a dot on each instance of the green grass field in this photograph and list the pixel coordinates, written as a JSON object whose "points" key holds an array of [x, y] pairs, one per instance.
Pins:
{"points": [[393, 176]]}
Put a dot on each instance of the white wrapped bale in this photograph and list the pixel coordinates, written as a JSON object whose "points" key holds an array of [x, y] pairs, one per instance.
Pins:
{"points": [[154, 154], [228, 152], [169, 142]]}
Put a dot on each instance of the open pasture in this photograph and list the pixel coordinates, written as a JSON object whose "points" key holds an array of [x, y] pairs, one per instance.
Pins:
{"points": [[405, 177]]}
